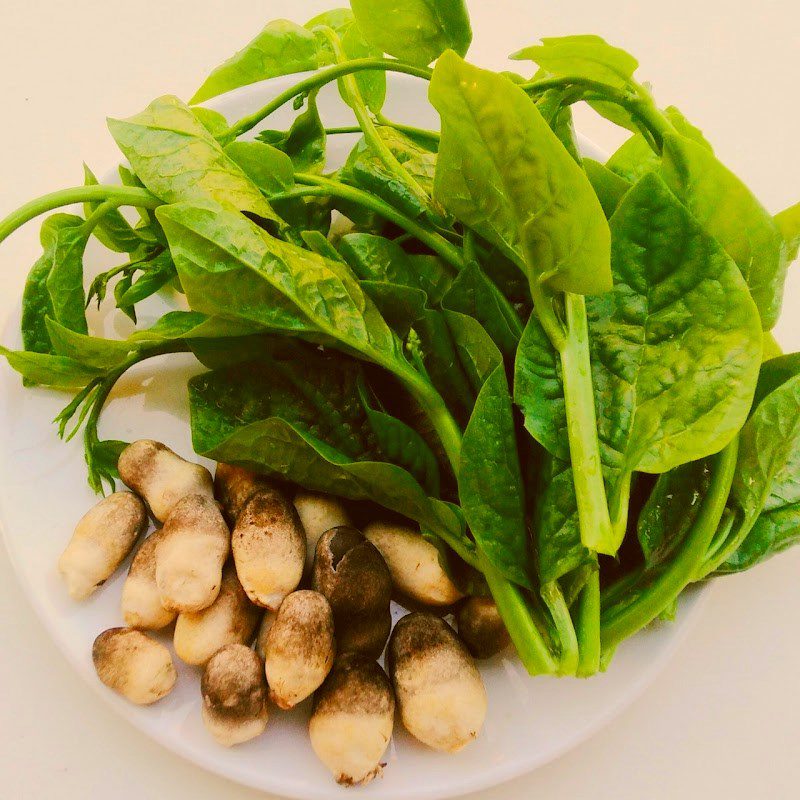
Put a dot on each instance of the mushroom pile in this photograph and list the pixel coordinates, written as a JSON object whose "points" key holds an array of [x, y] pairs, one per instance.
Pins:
{"points": [[279, 599]]}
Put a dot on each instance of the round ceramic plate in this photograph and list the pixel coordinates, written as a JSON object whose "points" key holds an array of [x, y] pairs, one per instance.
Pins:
{"points": [[43, 492]]}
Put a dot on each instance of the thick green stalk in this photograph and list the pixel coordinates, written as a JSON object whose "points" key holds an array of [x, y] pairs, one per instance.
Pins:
{"points": [[315, 81], [621, 621], [584, 447], [568, 640], [120, 195], [588, 627]]}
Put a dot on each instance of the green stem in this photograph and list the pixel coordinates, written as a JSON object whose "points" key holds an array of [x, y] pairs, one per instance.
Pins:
{"points": [[723, 549], [587, 472], [409, 130], [618, 623], [618, 506], [348, 86], [320, 186], [526, 636], [568, 640], [121, 195], [315, 81], [588, 627]]}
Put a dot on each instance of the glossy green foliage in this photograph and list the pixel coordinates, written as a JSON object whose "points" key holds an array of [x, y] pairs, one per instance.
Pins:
{"points": [[788, 222], [47, 369], [364, 168], [305, 421], [582, 57], [304, 142], [281, 48], [729, 211], [503, 172], [490, 481], [178, 160], [675, 346], [269, 168], [112, 229], [418, 31], [230, 267], [609, 187]]}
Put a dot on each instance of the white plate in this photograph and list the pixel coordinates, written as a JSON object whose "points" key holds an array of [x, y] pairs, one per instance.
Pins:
{"points": [[43, 492]]}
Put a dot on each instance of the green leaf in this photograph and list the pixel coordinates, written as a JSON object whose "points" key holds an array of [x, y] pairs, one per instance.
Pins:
{"points": [[582, 57], [788, 222], [54, 287], [418, 31], [178, 160], [112, 229], [310, 429], [90, 351], [672, 509], [634, 159], [503, 172], [365, 169], [401, 306], [609, 187], [46, 369], [772, 533], [282, 48], [376, 258], [478, 354], [230, 267], [729, 211], [270, 169], [676, 345], [471, 294], [160, 271], [211, 120], [774, 373], [490, 482], [557, 531], [304, 142]]}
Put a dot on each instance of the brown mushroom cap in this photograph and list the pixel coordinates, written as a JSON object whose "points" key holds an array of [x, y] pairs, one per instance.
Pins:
{"points": [[234, 695], [300, 648], [438, 688], [133, 664], [269, 548], [351, 573], [481, 627]]}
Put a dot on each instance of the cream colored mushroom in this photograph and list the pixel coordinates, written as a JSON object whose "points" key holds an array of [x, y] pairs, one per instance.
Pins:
{"points": [[133, 664], [269, 548], [300, 648], [141, 601], [234, 695], [318, 514], [234, 486], [101, 542], [438, 688], [191, 553], [161, 476], [413, 563], [352, 574], [481, 627], [352, 721], [230, 619]]}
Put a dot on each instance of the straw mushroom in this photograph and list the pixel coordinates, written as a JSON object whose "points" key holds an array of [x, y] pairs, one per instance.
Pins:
{"points": [[269, 548], [352, 574], [413, 563], [101, 542], [141, 601], [161, 476], [230, 619], [191, 553], [481, 627], [299, 648], [234, 695], [438, 688], [352, 720], [134, 665], [234, 486]]}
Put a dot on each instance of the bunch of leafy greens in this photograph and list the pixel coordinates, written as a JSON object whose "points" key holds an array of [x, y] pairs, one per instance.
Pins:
{"points": [[499, 339]]}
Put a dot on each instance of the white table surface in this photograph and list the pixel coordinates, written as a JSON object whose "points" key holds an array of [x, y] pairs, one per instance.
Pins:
{"points": [[721, 721]]}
